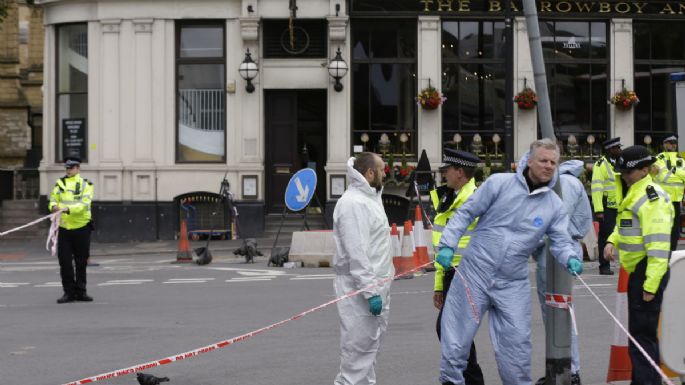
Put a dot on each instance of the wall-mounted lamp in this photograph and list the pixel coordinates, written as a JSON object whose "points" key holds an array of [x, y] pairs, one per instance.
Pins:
{"points": [[248, 70], [250, 9], [337, 68], [337, 9]]}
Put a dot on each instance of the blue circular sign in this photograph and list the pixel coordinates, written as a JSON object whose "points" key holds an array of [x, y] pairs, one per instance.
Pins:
{"points": [[300, 189]]}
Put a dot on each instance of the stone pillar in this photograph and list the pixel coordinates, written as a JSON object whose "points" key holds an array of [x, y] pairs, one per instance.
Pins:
{"points": [[621, 71], [430, 121], [525, 121]]}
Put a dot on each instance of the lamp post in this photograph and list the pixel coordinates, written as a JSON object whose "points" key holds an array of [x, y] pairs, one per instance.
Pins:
{"points": [[248, 70], [337, 68]]}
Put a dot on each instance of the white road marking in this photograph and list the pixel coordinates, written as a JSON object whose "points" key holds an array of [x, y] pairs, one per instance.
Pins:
{"points": [[309, 278], [248, 280], [50, 284], [188, 280], [125, 282]]}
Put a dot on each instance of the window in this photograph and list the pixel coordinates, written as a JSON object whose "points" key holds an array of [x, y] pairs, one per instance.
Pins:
{"points": [[384, 87], [658, 50], [309, 39], [473, 77], [72, 91], [576, 59], [201, 104]]}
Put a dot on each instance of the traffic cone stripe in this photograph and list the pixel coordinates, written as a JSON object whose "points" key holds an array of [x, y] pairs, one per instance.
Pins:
{"points": [[620, 367]]}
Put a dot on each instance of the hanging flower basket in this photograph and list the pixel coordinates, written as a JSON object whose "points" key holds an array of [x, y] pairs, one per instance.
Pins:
{"points": [[527, 99], [429, 98], [624, 99]]}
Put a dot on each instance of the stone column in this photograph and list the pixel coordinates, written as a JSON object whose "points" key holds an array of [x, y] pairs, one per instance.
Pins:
{"points": [[525, 121], [621, 59], [429, 63]]}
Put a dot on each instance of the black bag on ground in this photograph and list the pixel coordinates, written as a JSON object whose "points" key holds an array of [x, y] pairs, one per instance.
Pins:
{"points": [[279, 256]]}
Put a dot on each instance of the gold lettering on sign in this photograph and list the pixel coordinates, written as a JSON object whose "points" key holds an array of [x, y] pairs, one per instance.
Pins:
{"points": [[584, 7], [545, 6], [495, 6], [464, 5], [622, 7], [640, 7], [604, 7], [445, 5], [668, 7], [681, 8], [426, 3], [513, 7], [566, 7]]}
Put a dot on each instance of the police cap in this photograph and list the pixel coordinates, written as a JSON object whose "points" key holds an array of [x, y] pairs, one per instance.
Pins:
{"points": [[671, 138], [458, 158], [71, 161], [633, 158], [613, 142]]}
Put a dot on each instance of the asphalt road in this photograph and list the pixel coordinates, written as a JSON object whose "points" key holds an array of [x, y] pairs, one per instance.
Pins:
{"points": [[147, 308]]}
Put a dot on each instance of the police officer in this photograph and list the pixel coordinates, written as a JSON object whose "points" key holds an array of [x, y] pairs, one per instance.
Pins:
{"points": [[457, 170], [671, 177], [642, 238], [72, 195], [604, 196]]}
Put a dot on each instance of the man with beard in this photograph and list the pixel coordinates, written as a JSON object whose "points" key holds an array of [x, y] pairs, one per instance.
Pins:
{"points": [[363, 257]]}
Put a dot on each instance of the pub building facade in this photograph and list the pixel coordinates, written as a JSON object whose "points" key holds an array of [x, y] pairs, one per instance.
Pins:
{"points": [[161, 98]]}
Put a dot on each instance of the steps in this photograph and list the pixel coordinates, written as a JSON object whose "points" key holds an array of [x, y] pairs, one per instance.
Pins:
{"points": [[14, 213], [291, 223]]}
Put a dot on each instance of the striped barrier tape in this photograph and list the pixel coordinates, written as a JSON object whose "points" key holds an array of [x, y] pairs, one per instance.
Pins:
{"points": [[225, 343]]}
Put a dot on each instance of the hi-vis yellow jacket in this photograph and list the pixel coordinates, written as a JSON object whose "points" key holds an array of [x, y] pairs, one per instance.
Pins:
{"points": [[75, 193], [440, 221], [671, 176], [643, 230], [605, 183]]}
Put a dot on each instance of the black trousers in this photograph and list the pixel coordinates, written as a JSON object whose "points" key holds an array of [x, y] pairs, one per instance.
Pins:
{"points": [[606, 227], [675, 230], [643, 321], [473, 375], [73, 248]]}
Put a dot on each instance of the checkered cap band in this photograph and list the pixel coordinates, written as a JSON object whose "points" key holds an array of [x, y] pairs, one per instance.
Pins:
{"points": [[459, 161], [671, 138], [614, 144], [633, 163]]}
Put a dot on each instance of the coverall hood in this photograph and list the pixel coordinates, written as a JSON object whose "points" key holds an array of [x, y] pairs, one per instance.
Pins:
{"points": [[358, 181], [573, 167]]}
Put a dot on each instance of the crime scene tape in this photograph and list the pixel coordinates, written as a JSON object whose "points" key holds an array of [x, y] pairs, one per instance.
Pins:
{"points": [[2, 234], [639, 347], [562, 301], [51, 242], [225, 343]]}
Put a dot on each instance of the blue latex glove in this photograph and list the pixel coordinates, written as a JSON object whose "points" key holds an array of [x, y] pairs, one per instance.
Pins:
{"points": [[575, 266], [444, 257], [375, 305]]}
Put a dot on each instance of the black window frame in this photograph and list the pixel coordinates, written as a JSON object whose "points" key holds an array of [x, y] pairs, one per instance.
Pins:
{"points": [[179, 61], [59, 157], [410, 154]]}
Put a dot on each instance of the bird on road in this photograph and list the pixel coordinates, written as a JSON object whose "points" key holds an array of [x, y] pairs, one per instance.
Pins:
{"points": [[149, 379]]}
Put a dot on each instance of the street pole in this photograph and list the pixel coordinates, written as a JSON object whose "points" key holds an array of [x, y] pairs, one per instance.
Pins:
{"points": [[558, 323], [509, 85]]}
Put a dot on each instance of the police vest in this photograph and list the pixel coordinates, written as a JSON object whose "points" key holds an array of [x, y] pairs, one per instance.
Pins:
{"points": [[643, 229], [605, 183], [75, 193], [440, 221], [671, 176]]}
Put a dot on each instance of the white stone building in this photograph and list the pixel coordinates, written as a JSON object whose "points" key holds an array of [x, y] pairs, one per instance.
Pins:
{"points": [[148, 93]]}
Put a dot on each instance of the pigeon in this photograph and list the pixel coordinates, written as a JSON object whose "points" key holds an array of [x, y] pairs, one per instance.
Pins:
{"points": [[248, 250], [149, 379]]}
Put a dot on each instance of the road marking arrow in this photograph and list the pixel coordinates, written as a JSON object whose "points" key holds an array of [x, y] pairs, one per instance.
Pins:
{"points": [[304, 192]]}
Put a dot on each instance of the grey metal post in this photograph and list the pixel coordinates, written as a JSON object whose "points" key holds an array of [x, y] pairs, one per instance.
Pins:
{"points": [[558, 325]]}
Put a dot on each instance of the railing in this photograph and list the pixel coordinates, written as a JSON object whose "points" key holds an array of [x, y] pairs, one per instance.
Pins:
{"points": [[202, 109], [20, 184]]}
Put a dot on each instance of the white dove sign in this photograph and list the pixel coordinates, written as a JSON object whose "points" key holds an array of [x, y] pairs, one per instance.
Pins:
{"points": [[300, 189]]}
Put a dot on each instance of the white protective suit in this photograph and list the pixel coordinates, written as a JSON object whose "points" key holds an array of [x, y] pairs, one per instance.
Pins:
{"points": [[363, 256], [495, 269], [577, 205]]}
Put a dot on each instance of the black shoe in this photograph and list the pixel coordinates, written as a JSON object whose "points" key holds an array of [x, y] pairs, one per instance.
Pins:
{"points": [[66, 299], [540, 381], [84, 298], [605, 271], [575, 379]]}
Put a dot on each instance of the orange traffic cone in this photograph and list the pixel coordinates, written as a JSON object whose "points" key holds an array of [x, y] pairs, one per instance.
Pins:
{"points": [[420, 241], [183, 254], [620, 367], [406, 258], [396, 246]]}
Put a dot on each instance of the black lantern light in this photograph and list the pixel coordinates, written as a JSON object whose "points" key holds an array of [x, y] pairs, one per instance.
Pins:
{"points": [[248, 70], [337, 68]]}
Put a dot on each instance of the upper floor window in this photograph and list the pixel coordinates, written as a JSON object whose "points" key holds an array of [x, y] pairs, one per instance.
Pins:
{"points": [[201, 103], [384, 87], [72, 91]]}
